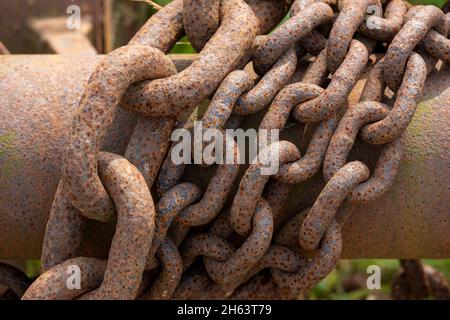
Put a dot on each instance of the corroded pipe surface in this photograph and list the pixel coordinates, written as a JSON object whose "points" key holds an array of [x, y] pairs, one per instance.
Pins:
{"points": [[39, 94]]}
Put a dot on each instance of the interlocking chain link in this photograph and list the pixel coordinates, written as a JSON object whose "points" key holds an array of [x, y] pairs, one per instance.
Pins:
{"points": [[156, 253]]}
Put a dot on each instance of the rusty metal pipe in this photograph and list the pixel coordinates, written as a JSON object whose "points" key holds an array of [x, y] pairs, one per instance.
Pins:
{"points": [[39, 94]]}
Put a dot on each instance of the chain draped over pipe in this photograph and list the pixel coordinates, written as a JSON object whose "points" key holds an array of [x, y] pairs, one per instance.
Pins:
{"points": [[157, 252]]}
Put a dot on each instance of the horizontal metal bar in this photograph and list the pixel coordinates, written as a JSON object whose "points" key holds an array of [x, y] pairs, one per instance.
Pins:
{"points": [[38, 97]]}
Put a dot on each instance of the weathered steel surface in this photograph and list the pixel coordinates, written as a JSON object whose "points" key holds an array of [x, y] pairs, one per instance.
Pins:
{"points": [[38, 95], [61, 40]]}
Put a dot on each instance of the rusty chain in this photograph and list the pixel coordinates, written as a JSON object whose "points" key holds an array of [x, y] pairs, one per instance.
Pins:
{"points": [[154, 253]]}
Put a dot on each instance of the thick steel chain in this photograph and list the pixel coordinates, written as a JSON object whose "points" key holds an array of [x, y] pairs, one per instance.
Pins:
{"points": [[252, 234], [321, 216], [269, 48], [240, 222], [124, 68]]}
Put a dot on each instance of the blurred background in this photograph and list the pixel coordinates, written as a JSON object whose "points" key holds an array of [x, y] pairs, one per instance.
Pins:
{"points": [[51, 26]]}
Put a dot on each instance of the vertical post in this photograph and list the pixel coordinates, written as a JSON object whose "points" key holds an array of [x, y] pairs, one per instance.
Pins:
{"points": [[108, 29]]}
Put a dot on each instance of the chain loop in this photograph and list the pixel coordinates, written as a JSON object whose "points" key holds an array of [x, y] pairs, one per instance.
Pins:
{"points": [[269, 48], [185, 90], [169, 277], [253, 183], [201, 19], [330, 199], [317, 268], [134, 230], [171, 204], [343, 81], [195, 280], [269, 85], [268, 12], [385, 29], [107, 84], [253, 249], [399, 117], [52, 284], [345, 135], [313, 42], [205, 244]]}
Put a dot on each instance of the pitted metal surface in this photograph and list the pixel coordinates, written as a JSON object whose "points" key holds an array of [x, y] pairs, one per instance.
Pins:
{"points": [[345, 135], [251, 251], [343, 81], [268, 12], [52, 284], [269, 48], [316, 269], [408, 96], [269, 85], [213, 199], [231, 94], [330, 199], [192, 282], [253, 183], [385, 29], [313, 42], [205, 244], [168, 97], [19, 218], [169, 277], [201, 19], [171, 204], [95, 115]]}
